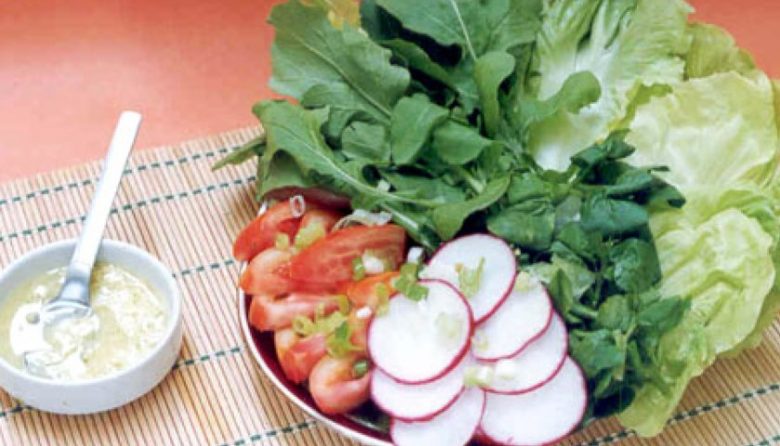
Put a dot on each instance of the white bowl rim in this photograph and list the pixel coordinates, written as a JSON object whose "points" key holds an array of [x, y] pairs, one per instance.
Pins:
{"points": [[170, 329]]}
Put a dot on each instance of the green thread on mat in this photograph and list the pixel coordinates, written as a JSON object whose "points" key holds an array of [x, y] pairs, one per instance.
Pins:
{"points": [[272, 433], [128, 207], [691, 413], [767, 441], [237, 350], [203, 268], [128, 171]]}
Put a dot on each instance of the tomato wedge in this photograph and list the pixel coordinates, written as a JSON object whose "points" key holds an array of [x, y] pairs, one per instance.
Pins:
{"points": [[366, 292], [269, 314], [261, 233], [297, 355], [329, 260], [265, 274]]}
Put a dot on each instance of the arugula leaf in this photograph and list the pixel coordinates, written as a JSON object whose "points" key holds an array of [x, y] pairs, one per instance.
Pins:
{"points": [[449, 22], [340, 12], [414, 118], [368, 142], [458, 144], [416, 58], [579, 90], [296, 131], [490, 71], [513, 22], [430, 189], [249, 150], [277, 171], [449, 218], [308, 51]]}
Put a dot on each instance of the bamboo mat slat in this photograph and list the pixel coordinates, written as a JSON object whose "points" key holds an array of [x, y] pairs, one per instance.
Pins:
{"points": [[173, 205]]}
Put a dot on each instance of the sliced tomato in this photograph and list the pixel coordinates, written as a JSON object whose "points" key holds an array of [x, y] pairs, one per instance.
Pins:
{"points": [[284, 339], [261, 233], [298, 359], [365, 293], [323, 217], [267, 274], [269, 314], [329, 260], [359, 328]]}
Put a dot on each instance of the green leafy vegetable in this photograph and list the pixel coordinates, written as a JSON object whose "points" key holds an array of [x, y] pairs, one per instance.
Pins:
{"points": [[624, 44], [490, 71], [353, 72], [530, 119], [414, 118]]}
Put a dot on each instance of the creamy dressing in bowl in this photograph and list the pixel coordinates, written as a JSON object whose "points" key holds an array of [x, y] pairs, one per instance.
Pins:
{"points": [[128, 321]]}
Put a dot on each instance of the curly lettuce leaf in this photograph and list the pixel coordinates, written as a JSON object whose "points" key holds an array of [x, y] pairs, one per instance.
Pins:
{"points": [[624, 43], [713, 50], [725, 267], [718, 136], [711, 131]]}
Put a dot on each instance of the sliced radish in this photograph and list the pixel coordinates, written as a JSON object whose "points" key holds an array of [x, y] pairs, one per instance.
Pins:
{"points": [[418, 402], [542, 416], [498, 271], [455, 426], [419, 341], [534, 365], [520, 320]]}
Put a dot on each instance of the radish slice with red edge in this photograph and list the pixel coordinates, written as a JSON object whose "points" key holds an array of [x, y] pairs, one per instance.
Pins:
{"points": [[418, 402], [534, 366], [419, 341], [498, 273], [455, 426], [542, 416], [519, 321]]}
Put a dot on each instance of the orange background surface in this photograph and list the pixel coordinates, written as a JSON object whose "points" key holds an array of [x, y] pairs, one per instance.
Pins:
{"points": [[192, 67]]}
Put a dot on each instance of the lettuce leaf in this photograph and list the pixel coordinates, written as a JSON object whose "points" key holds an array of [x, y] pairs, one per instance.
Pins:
{"points": [[710, 132], [718, 137], [624, 43], [713, 50], [725, 267]]}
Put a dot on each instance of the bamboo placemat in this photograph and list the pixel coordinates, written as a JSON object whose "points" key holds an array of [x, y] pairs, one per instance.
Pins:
{"points": [[171, 204]]}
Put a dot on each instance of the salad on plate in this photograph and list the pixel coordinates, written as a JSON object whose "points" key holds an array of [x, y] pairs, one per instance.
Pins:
{"points": [[499, 220]]}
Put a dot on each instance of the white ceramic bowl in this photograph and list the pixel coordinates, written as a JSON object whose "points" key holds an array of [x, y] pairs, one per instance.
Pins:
{"points": [[96, 395]]}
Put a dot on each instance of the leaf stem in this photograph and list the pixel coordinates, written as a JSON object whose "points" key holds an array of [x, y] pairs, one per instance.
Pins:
{"points": [[474, 183], [465, 31]]}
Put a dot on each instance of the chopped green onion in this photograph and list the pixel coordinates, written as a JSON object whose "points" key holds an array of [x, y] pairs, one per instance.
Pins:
{"points": [[469, 279], [477, 376], [303, 326], [406, 283], [448, 326], [383, 298], [358, 269], [309, 234], [360, 368], [282, 241], [344, 305], [339, 343]]}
